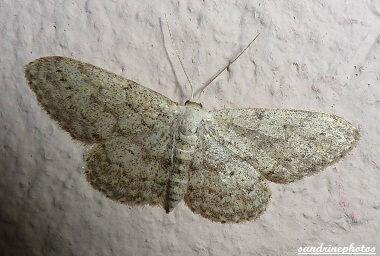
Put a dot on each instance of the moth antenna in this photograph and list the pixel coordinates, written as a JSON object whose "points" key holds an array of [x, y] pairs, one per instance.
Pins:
{"points": [[226, 67], [179, 58]]}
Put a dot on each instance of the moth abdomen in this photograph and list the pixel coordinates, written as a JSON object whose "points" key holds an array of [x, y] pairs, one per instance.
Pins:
{"points": [[183, 154]]}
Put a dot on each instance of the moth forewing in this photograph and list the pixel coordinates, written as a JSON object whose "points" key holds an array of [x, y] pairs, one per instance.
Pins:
{"points": [[286, 145]]}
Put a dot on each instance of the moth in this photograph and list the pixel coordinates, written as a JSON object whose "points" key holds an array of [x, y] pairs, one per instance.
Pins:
{"points": [[150, 150]]}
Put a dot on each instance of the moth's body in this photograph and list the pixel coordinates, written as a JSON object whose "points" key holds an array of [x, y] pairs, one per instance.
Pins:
{"points": [[184, 145], [149, 150]]}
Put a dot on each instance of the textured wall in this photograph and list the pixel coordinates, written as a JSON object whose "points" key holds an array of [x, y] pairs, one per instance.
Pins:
{"points": [[314, 55]]}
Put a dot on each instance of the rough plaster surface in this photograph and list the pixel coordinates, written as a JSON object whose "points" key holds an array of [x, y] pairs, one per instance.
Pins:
{"points": [[314, 55]]}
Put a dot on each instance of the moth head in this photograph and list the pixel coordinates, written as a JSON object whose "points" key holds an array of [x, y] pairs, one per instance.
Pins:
{"points": [[193, 104]]}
